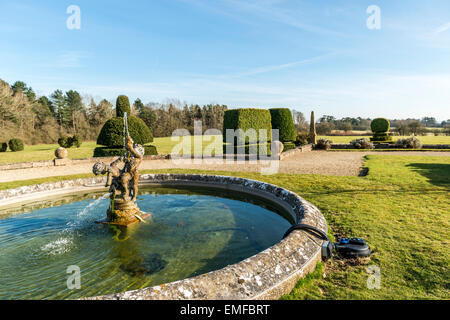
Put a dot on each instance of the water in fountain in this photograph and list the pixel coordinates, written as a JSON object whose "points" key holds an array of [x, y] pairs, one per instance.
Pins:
{"points": [[192, 232], [64, 242]]}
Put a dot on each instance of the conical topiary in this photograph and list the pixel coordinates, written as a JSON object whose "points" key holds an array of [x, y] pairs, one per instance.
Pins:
{"points": [[111, 135], [312, 130], [122, 106]]}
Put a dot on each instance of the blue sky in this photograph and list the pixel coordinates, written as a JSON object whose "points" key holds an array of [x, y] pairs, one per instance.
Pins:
{"points": [[306, 55]]}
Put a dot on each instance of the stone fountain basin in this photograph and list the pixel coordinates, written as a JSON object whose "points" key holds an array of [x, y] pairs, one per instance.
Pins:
{"points": [[266, 275]]}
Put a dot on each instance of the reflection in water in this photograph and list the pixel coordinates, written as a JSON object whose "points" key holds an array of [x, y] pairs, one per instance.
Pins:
{"points": [[190, 232]]}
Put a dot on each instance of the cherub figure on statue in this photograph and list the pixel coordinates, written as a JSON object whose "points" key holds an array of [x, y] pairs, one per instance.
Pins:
{"points": [[125, 179]]}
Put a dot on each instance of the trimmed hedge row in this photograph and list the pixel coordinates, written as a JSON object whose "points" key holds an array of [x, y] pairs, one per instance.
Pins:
{"points": [[111, 134], [246, 119], [261, 149], [117, 152], [283, 121]]}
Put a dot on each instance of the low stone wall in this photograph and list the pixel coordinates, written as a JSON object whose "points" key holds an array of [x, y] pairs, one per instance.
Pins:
{"points": [[347, 146], [266, 275], [305, 148]]}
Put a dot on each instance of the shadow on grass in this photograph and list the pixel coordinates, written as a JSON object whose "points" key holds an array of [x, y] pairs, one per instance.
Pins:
{"points": [[437, 173]]}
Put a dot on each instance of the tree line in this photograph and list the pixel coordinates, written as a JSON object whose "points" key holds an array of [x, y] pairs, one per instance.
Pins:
{"points": [[45, 119]]}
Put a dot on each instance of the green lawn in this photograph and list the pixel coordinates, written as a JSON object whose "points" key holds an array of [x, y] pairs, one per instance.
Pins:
{"points": [[424, 139], [163, 145], [46, 151], [402, 208]]}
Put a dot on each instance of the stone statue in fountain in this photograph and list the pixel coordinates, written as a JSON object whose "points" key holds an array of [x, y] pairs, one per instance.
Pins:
{"points": [[123, 185]]}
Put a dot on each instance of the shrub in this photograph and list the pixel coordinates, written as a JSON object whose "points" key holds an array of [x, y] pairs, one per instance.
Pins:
{"points": [[3, 147], [246, 119], [281, 119], [411, 143], [380, 128], [302, 139], [323, 144], [122, 106], [76, 141], [362, 144], [117, 152], [380, 125], [64, 142], [111, 134], [69, 142], [15, 145]]}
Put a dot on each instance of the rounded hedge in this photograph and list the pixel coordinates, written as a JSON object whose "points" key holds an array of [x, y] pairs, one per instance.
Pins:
{"points": [[283, 121], [15, 145], [3, 147], [117, 152], [122, 106], [111, 134], [380, 125]]}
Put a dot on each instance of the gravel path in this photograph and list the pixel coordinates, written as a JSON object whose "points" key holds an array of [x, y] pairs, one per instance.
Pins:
{"points": [[316, 162]]}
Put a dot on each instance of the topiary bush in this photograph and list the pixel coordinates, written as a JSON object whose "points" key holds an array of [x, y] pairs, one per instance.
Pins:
{"points": [[323, 144], [302, 139], [282, 120], [15, 145], [246, 119], [362, 144], [111, 134], [117, 152], [122, 106], [3, 147], [410, 143], [380, 128]]}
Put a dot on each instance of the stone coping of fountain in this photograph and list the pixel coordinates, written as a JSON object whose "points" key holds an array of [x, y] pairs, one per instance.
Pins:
{"points": [[266, 275]]}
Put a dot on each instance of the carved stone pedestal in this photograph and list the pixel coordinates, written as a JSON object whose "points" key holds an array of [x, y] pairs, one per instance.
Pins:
{"points": [[123, 213]]}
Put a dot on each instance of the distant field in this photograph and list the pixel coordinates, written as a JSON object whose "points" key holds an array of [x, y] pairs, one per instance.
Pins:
{"points": [[164, 146], [424, 139]]}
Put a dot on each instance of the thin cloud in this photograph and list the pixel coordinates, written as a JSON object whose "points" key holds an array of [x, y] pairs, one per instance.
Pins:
{"points": [[72, 59], [443, 28], [263, 9], [271, 68]]}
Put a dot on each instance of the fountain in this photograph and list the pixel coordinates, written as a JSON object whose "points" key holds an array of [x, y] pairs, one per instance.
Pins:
{"points": [[211, 236], [123, 209]]}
